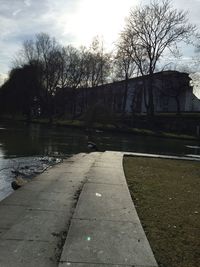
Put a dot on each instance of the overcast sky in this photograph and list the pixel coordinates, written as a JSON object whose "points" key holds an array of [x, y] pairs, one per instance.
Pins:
{"points": [[73, 22]]}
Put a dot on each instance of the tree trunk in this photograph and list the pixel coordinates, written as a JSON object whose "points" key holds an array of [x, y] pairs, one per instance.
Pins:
{"points": [[150, 110], [28, 116], [74, 104], [50, 109], [125, 95], [178, 105]]}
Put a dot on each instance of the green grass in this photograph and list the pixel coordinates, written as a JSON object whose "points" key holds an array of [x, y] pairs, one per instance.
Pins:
{"points": [[75, 123], [161, 134], [166, 194]]}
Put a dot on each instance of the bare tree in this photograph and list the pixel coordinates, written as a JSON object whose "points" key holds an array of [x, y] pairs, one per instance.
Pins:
{"points": [[45, 52], [97, 64], [64, 67], [84, 67], [72, 67], [125, 67], [149, 31]]}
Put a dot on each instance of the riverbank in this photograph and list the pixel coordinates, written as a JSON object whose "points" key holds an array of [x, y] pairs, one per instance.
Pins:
{"points": [[23, 169], [143, 126], [166, 195], [115, 128], [21, 144]]}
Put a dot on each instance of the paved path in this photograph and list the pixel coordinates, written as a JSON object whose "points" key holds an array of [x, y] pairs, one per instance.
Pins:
{"points": [[104, 228], [35, 218]]}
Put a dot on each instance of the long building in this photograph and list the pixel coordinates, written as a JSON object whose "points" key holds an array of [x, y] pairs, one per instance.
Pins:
{"points": [[172, 92]]}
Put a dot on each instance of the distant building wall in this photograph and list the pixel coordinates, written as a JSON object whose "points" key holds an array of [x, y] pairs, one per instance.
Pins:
{"points": [[170, 88], [195, 103]]}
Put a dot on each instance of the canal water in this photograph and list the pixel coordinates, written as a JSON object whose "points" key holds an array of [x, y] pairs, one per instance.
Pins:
{"points": [[28, 149]]}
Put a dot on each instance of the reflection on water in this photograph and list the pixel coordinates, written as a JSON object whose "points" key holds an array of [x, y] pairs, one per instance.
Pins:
{"points": [[20, 139], [25, 145], [1, 151]]}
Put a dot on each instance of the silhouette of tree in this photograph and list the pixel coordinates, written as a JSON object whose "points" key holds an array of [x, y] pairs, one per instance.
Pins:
{"points": [[125, 68], [20, 93], [149, 31], [174, 88], [95, 64], [62, 67]]}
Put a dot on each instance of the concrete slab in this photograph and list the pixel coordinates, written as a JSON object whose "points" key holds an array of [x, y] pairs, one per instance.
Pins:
{"points": [[105, 229], [107, 242], [109, 232], [63, 186], [21, 197], [106, 202], [50, 174], [10, 215], [78, 164], [38, 225], [2, 231], [60, 184], [106, 164], [38, 185], [52, 201], [34, 217], [70, 264], [14, 253], [105, 176]]}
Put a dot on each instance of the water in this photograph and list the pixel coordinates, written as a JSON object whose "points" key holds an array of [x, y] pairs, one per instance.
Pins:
{"points": [[29, 149]]}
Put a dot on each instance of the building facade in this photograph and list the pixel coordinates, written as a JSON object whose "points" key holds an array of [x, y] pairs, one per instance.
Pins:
{"points": [[172, 92]]}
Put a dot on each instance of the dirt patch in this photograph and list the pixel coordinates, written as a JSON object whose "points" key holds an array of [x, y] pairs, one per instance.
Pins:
{"points": [[166, 194]]}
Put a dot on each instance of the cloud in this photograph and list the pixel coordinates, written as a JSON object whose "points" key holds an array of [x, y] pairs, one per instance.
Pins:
{"points": [[20, 22], [104, 18], [16, 12], [27, 2], [70, 21], [3, 78], [191, 7]]}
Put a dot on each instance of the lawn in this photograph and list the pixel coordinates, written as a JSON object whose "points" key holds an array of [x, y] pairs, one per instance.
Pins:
{"points": [[166, 194]]}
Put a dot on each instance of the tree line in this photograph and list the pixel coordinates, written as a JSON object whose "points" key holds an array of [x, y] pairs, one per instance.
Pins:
{"points": [[43, 66]]}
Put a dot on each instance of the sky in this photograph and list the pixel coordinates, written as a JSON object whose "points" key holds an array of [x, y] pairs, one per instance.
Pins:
{"points": [[73, 22]]}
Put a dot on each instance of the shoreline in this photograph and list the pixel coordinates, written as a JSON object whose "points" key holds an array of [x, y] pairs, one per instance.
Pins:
{"points": [[24, 169], [112, 128], [109, 127]]}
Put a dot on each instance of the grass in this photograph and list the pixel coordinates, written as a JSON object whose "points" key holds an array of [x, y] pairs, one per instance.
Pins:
{"points": [[166, 194]]}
